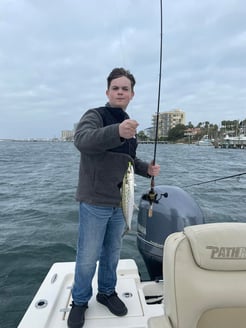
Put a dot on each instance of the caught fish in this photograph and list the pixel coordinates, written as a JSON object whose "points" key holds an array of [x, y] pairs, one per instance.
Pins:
{"points": [[127, 194]]}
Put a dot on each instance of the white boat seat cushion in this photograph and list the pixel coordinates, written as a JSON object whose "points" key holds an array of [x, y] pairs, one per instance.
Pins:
{"points": [[204, 271]]}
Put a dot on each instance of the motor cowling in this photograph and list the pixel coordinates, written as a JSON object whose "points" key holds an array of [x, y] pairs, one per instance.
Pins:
{"points": [[173, 209]]}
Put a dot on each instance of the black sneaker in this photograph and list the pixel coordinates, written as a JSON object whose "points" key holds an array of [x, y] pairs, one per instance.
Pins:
{"points": [[113, 303], [76, 316]]}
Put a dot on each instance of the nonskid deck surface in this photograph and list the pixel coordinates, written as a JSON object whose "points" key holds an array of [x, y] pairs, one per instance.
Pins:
{"points": [[51, 305]]}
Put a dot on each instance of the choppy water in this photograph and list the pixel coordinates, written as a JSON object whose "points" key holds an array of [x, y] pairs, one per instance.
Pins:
{"points": [[38, 212]]}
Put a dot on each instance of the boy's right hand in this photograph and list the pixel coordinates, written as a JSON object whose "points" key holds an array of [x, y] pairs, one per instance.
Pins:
{"points": [[128, 129]]}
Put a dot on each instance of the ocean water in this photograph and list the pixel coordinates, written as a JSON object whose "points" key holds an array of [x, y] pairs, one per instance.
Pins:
{"points": [[38, 211]]}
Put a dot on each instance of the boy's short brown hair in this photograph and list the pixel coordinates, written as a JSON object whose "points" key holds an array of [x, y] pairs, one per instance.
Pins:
{"points": [[118, 72]]}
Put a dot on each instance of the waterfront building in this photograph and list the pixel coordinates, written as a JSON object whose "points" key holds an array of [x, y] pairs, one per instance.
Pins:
{"points": [[167, 121], [67, 135]]}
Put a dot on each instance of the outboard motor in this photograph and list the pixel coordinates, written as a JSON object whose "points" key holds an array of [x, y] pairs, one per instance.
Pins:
{"points": [[173, 210]]}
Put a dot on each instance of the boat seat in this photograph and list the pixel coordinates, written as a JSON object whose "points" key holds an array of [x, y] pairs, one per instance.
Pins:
{"points": [[204, 269]]}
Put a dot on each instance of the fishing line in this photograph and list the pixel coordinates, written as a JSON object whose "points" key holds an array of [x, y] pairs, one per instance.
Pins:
{"points": [[214, 180], [122, 39]]}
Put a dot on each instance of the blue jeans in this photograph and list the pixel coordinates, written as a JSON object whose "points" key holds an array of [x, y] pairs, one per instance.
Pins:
{"points": [[100, 236]]}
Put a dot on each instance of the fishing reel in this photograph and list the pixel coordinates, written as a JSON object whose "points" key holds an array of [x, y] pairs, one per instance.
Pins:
{"points": [[151, 197]]}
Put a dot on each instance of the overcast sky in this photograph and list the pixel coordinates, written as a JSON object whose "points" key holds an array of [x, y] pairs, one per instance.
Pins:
{"points": [[55, 56]]}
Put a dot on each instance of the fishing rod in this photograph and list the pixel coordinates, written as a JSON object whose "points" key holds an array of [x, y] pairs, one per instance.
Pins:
{"points": [[159, 86], [214, 180], [152, 195]]}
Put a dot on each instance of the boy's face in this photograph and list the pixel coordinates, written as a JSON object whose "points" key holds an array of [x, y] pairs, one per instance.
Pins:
{"points": [[120, 92]]}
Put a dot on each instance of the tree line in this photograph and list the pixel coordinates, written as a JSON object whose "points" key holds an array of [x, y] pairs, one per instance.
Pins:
{"points": [[189, 131]]}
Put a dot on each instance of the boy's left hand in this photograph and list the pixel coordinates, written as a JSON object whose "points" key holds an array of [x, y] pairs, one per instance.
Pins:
{"points": [[153, 170]]}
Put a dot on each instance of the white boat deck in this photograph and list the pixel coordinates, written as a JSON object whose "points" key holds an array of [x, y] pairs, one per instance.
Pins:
{"points": [[50, 307]]}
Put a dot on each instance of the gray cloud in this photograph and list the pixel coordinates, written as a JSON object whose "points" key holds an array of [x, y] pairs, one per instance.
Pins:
{"points": [[55, 57]]}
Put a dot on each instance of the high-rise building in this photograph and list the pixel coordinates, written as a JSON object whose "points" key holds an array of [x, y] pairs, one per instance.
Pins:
{"points": [[67, 135], [167, 121]]}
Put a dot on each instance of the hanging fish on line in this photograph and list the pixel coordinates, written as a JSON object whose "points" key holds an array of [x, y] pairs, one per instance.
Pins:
{"points": [[127, 196]]}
